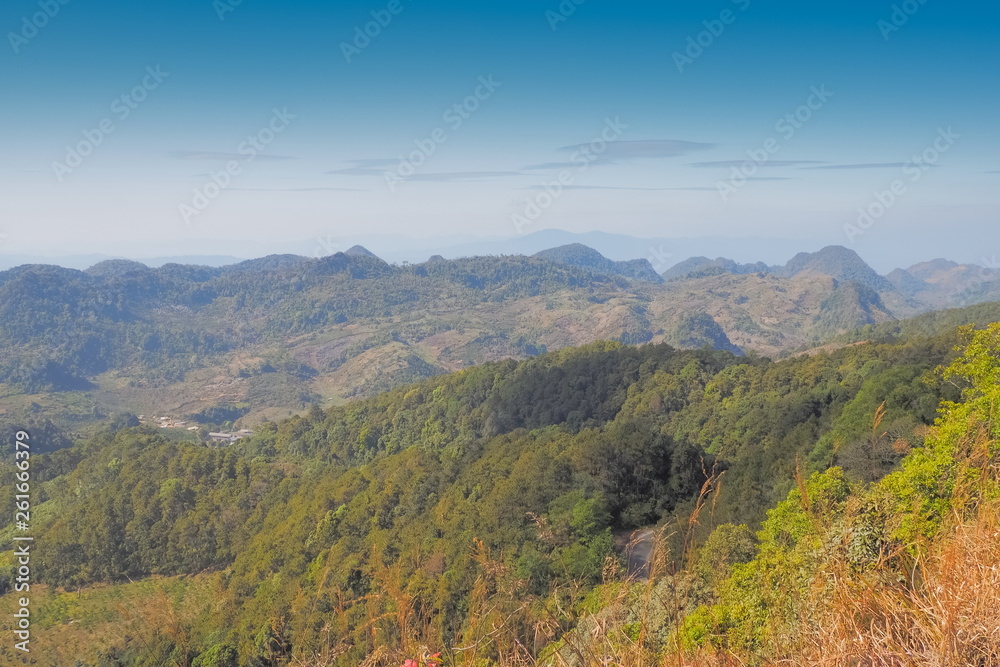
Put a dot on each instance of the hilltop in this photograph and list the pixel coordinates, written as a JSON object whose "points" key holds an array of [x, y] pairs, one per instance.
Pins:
{"points": [[577, 254]]}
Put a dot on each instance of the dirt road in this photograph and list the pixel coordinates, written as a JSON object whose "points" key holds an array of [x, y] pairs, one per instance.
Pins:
{"points": [[639, 552]]}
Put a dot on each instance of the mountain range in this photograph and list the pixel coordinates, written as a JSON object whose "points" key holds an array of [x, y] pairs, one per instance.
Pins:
{"points": [[590, 485], [267, 337], [661, 251]]}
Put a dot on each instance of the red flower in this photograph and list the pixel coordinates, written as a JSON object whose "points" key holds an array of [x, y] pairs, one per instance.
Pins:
{"points": [[431, 661]]}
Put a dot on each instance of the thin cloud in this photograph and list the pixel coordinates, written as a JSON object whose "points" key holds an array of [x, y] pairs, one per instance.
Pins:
{"points": [[645, 148], [461, 176], [374, 162], [551, 166], [366, 167], [377, 167], [210, 155], [598, 187], [863, 165], [620, 151], [739, 163], [356, 171], [298, 189]]}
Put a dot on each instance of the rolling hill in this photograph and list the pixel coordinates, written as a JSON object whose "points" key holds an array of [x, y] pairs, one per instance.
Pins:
{"points": [[434, 514], [269, 337]]}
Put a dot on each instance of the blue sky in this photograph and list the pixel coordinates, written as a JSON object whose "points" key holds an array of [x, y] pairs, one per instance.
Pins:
{"points": [[555, 80]]}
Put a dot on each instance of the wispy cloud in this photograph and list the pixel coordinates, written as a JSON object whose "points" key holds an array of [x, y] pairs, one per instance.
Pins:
{"points": [[551, 166], [378, 167], [613, 152], [374, 162], [598, 187], [863, 165], [462, 176], [211, 155], [698, 188], [725, 164], [367, 167], [299, 189], [647, 148]]}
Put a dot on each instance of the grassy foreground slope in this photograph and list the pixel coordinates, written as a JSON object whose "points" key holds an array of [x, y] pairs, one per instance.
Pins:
{"points": [[903, 571], [476, 510]]}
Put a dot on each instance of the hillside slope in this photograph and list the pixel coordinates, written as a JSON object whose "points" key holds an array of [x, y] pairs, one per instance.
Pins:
{"points": [[418, 511]]}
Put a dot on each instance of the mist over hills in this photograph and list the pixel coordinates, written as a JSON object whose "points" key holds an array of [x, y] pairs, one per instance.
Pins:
{"points": [[661, 251], [397, 249]]}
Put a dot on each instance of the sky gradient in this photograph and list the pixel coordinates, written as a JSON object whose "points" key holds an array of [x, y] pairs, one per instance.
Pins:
{"points": [[271, 121]]}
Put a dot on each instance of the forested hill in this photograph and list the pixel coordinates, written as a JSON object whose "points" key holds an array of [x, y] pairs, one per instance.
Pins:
{"points": [[431, 512], [269, 337]]}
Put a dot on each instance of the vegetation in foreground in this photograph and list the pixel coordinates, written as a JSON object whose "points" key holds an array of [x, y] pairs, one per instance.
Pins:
{"points": [[475, 515]]}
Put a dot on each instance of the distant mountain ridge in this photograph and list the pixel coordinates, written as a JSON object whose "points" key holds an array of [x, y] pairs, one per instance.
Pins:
{"points": [[839, 262], [836, 261], [359, 251], [661, 251], [924, 286], [577, 254], [270, 335], [703, 266]]}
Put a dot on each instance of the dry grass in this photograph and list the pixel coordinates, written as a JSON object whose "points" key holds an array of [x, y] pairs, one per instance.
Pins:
{"points": [[946, 614], [940, 608]]}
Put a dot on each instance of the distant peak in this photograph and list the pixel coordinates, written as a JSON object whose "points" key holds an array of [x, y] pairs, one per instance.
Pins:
{"points": [[359, 251], [699, 267], [839, 262], [117, 267], [571, 250], [577, 254], [925, 270]]}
